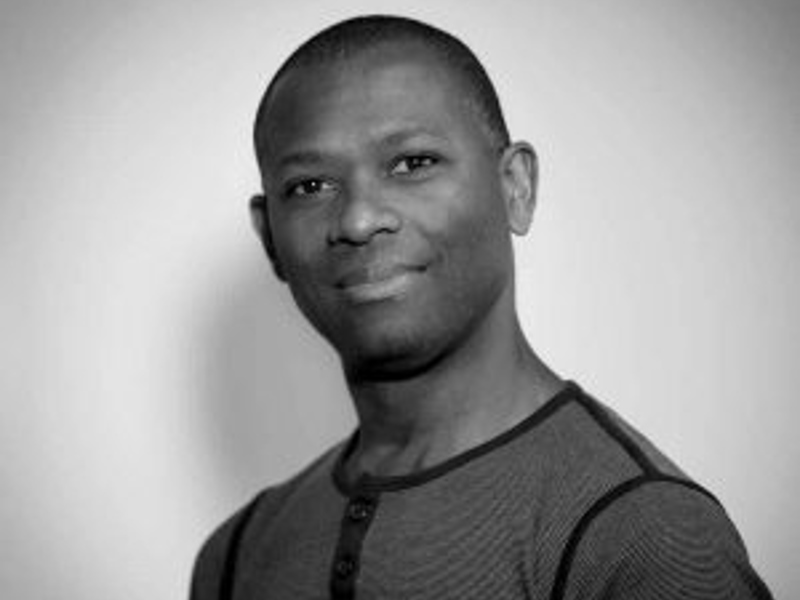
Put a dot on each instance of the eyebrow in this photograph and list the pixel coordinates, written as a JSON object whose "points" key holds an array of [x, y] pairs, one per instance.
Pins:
{"points": [[312, 156], [404, 135], [303, 157]]}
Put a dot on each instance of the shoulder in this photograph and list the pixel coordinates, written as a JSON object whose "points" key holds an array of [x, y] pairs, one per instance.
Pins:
{"points": [[634, 525], [216, 555], [657, 537], [216, 560], [604, 432]]}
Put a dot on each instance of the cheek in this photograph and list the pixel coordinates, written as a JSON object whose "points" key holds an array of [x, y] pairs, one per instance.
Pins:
{"points": [[302, 249], [466, 216], [297, 242], [476, 243]]}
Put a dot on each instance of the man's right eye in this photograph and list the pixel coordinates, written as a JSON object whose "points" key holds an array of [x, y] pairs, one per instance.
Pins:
{"points": [[308, 187]]}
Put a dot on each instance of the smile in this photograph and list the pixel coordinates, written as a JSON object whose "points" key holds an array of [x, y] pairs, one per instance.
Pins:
{"points": [[376, 285]]}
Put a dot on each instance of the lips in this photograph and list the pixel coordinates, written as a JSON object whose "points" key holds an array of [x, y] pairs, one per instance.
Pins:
{"points": [[378, 281]]}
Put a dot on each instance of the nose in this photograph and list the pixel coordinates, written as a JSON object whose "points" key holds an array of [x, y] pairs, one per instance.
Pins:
{"points": [[364, 211]]}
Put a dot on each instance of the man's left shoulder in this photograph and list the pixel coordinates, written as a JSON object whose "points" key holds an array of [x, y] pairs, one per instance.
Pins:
{"points": [[661, 538], [646, 530]]}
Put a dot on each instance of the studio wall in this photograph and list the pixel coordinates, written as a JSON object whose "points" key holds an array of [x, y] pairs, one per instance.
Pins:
{"points": [[155, 375]]}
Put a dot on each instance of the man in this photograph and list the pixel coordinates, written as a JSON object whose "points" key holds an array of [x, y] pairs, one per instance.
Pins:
{"points": [[391, 188]]}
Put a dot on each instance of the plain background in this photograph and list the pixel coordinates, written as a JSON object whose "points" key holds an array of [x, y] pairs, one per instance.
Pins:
{"points": [[155, 375]]}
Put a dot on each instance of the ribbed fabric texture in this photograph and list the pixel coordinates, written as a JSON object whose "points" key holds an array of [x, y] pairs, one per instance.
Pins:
{"points": [[572, 503]]}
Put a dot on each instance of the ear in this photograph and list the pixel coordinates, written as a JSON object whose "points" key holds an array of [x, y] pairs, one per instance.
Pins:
{"points": [[259, 215], [519, 177]]}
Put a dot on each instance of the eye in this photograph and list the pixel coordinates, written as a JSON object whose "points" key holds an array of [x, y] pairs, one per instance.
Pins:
{"points": [[412, 163], [309, 187]]}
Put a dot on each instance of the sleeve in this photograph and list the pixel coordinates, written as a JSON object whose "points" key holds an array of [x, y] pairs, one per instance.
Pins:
{"points": [[663, 541], [215, 565]]}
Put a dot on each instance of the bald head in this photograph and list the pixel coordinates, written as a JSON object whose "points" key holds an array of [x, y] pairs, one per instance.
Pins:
{"points": [[355, 39]]}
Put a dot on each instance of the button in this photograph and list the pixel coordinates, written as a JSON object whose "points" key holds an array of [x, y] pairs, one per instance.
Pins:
{"points": [[344, 567], [358, 510]]}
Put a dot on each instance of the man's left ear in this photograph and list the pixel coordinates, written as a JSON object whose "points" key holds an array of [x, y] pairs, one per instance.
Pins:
{"points": [[519, 174]]}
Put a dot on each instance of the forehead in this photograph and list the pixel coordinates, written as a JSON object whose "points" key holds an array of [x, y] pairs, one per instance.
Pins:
{"points": [[377, 92]]}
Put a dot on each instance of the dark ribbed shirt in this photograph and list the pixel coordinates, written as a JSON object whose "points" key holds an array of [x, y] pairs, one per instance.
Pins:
{"points": [[570, 503]]}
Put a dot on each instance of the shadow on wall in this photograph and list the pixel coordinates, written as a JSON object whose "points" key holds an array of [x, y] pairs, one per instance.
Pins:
{"points": [[273, 394]]}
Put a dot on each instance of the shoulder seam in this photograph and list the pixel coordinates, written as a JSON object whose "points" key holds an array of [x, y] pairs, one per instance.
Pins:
{"points": [[621, 437], [228, 577], [233, 551], [600, 505], [650, 471]]}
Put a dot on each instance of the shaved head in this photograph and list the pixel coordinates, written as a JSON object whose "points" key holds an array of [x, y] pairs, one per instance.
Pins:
{"points": [[357, 37]]}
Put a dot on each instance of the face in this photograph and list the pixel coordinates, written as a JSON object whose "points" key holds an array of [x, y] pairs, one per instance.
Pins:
{"points": [[384, 209]]}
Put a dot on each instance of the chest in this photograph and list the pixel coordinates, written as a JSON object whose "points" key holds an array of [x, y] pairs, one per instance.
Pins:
{"points": [[447, 543]]}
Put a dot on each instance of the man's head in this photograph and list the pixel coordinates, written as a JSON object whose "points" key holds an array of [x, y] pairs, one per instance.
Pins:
{"points": [[390, 191]]}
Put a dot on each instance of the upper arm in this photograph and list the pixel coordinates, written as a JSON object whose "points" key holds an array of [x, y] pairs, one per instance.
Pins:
{"points": [[662, 541]]}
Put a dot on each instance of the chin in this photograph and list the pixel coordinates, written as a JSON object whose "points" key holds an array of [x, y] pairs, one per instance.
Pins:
{"points": [[387, 356]]}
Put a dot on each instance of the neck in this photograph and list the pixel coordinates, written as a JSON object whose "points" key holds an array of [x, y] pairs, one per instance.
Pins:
{"points": [[492, 382]]}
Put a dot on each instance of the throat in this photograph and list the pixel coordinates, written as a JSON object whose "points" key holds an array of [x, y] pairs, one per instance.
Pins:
{"points": [[413, 426], [397, 460]]}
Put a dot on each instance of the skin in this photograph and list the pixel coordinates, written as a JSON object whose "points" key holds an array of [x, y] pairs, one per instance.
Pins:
{"points": [[389, 214]]}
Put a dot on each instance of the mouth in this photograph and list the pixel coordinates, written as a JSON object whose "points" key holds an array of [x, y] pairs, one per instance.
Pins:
{"points": [[375, 283]]}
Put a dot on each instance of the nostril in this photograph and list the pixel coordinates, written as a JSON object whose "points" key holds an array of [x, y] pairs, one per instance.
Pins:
{"points": [[359, 220]]}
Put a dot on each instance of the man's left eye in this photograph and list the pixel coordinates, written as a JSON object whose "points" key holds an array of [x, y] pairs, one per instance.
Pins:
{"points": [[410, 164]]}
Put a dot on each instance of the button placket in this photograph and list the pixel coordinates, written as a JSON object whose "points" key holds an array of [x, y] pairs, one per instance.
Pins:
{"points": [[359, 509], [344, 567], [358, 514]]}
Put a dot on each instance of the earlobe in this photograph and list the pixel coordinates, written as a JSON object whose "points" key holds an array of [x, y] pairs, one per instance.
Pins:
{"points": [[520, 173], [259, 215]]}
